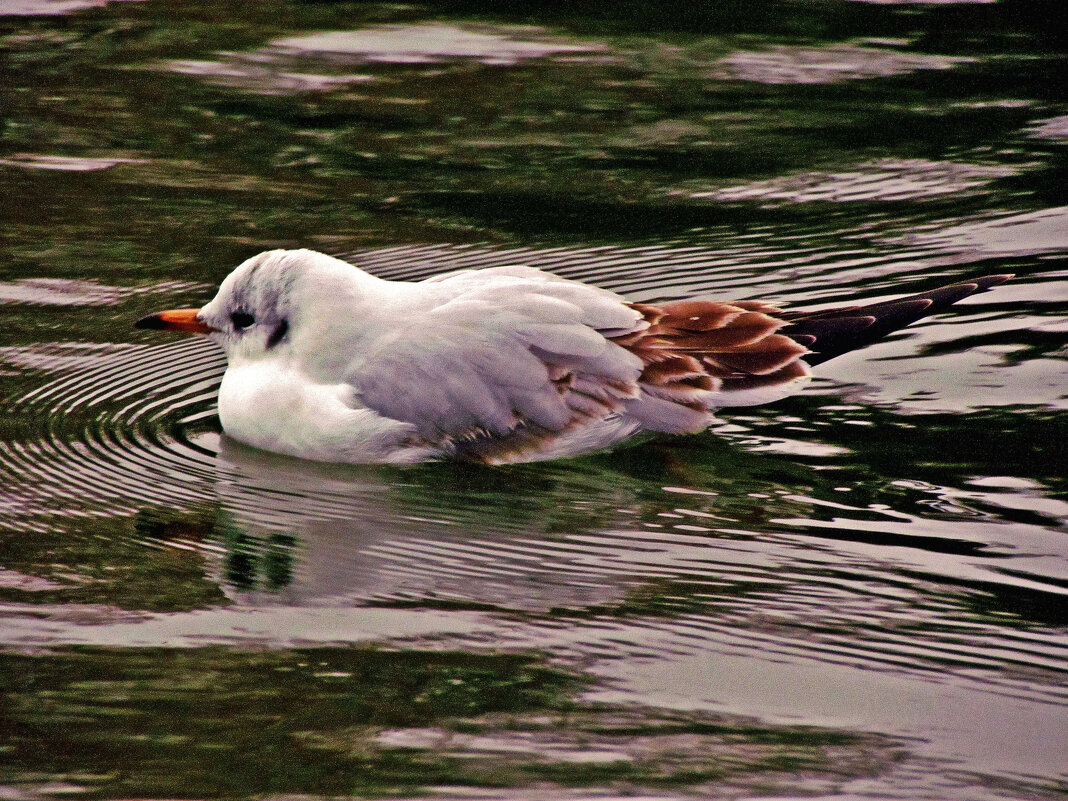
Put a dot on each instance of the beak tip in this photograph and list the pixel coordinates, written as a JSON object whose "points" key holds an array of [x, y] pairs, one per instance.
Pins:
{"points": [[152, 322]]}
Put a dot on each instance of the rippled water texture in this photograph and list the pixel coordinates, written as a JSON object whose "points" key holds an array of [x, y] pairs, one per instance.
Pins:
{"points": [[857, 592]]}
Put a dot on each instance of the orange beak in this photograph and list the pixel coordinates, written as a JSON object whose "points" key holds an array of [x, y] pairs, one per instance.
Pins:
{"points": [[175, 320]]}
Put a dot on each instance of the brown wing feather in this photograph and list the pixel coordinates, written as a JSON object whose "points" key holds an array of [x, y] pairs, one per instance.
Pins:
{"points": [[695, 348], [738, 342]]}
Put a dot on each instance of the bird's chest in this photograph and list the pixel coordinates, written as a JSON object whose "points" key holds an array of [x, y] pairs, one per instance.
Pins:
{"points": [[279, 409], [273, 407]]}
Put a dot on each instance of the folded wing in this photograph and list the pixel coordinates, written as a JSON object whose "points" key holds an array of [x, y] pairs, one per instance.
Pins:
{"points": [[512, 361], [511, 356]]}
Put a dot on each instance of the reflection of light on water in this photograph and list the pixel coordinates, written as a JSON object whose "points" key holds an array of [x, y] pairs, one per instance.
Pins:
{"points": [[984, 376], [884, 179], [783, 64], [795, 447], [36, 8], [304, 63], [1035, 232], [279, 626], [746, 616], [1055, 129], [39, 161], [255, 75], [429, 42], [11, 579]]}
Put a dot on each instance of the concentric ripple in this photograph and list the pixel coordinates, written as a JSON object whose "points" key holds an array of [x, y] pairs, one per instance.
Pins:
{"points": [[116, 431]]}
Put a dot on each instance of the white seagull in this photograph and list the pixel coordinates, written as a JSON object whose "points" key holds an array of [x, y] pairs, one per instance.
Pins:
{"points": [[505, 364]]}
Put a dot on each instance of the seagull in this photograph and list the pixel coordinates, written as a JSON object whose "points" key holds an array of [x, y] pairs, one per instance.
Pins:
{"points": [[506, 364]]}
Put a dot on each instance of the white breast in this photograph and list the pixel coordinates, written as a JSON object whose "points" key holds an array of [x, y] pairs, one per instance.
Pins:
{"points": [[271, 406]]}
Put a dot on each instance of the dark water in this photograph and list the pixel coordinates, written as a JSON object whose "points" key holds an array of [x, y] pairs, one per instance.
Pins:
{"points": [[858, 592]]}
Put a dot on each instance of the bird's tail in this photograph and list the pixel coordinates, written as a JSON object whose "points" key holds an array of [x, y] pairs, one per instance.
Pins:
{"points": [[700, 355]]}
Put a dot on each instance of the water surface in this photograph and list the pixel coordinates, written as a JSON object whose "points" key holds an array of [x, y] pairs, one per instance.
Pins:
{"points": [[857, 592]]}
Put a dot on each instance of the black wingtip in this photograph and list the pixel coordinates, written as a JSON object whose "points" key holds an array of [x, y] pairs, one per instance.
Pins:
{"points": [[989, 281], [832, 332]]}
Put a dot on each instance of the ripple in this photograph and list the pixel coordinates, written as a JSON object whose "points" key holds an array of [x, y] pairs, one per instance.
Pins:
{"points": [[112, 433], [74, 292], [1044, 231], [629, 577], [882, 180]]}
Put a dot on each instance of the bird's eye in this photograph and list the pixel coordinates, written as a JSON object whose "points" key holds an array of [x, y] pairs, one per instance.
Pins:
{"points": [[242, 319]]}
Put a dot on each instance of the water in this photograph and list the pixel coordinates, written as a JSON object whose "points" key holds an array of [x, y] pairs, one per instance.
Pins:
{"points": [[858, 592]]}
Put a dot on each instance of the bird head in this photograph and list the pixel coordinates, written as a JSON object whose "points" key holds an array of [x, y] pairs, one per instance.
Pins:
{"points": [[259, 305]]}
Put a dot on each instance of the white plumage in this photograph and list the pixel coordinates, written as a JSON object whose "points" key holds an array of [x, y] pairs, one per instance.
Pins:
{"points": [[381, 371], [511, 363]]}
